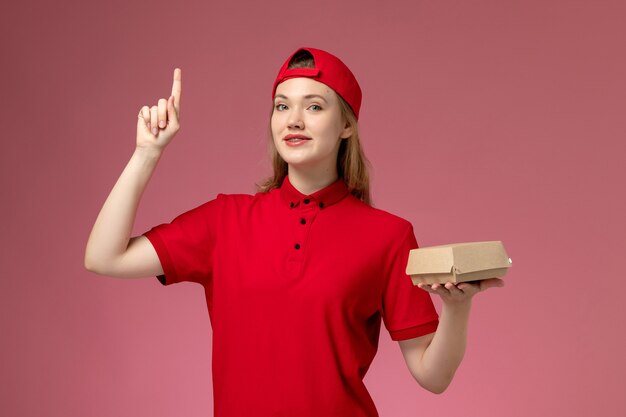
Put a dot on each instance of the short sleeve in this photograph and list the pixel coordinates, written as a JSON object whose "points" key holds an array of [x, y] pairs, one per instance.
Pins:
{"points": [[185, 245], [408, 311]]}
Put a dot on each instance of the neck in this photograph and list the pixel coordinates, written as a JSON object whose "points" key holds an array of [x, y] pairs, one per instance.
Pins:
{"points": [[309, 181]]}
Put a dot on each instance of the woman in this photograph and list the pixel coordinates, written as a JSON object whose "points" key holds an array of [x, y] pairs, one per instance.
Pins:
{"points": [[299, 276]]}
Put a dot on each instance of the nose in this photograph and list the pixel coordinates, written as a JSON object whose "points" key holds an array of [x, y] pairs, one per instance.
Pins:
{"points": [[295, 119]]}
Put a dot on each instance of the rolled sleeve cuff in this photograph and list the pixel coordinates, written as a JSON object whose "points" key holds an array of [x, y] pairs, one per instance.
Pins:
{"points": [[415, 331], [164, 257]]}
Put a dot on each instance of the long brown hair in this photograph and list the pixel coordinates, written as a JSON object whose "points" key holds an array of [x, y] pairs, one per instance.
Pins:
{"points": [[352, 164]]}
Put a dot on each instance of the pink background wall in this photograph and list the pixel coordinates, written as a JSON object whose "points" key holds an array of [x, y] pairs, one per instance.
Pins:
{"points": [[484, 120]]}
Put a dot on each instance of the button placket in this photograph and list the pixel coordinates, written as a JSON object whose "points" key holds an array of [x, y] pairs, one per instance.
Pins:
{"points": [[305, 213], [302, 217]]}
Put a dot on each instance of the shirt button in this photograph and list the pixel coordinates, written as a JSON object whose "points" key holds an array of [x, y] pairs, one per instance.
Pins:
{"points": [[291, 204], [307, 201], [303, 221], [297, 246], [321, 205]]}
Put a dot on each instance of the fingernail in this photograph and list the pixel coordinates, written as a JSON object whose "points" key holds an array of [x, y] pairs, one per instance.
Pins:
{"points": [[154, 130], [162, 123]]}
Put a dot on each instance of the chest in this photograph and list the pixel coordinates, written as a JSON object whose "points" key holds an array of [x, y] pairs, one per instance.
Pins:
{"points": [[313, 258]]}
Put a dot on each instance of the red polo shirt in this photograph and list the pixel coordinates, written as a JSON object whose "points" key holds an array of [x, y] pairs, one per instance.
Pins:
{"points": [[296, 286]]}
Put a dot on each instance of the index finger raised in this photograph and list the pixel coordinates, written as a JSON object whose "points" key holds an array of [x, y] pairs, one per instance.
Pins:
{"points": [[177, 87]]}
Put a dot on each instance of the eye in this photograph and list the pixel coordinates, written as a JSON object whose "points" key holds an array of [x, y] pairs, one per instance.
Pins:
{"points": [[277, 107], [315, 105]]}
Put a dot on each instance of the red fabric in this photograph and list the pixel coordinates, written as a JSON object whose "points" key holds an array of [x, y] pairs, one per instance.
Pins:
{"points": [[295, 330], [328, 70]]}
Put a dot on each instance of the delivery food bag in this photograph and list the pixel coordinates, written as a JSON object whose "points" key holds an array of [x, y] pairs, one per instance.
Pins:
{"points": [[458, 262]]}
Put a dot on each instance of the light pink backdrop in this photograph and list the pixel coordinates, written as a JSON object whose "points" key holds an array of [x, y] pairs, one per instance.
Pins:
{"points": [[484, 120]]}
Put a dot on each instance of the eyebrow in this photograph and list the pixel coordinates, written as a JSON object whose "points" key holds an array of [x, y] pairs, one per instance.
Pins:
{"points": [[307, 96]]}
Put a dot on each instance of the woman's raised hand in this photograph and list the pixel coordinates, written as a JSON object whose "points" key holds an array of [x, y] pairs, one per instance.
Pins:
{"points": [[157, 125]]}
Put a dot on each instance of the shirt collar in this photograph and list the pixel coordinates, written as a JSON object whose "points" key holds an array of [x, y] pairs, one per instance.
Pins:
{"points": [[323, 198]]}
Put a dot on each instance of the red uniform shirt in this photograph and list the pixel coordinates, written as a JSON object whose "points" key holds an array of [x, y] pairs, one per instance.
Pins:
{"points": [[296, 287]]}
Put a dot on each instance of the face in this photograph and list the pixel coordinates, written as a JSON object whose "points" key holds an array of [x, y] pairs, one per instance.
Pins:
{"points": [[305, 107]]}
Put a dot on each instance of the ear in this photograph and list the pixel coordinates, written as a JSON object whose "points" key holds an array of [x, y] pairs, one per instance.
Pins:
{"points": [[347, 130]]}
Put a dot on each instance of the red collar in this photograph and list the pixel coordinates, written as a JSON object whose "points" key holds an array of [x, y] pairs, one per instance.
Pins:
{"points": [[325, 197]]}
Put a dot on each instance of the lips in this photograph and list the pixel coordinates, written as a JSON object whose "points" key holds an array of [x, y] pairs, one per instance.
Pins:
{"points": [[296, 136]]}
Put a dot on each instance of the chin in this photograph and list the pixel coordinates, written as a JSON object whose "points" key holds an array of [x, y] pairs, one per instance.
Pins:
{"points": [[296, 162], [292, 159]]}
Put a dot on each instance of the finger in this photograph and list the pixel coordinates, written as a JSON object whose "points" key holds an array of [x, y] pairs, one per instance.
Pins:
{"points": [[177, 88], [440, 289], [491, 282], [143, 119], [162, 112], [425, 287], [469, 288], [454, 291], [172, 117], [145, 115], [154, 119]]}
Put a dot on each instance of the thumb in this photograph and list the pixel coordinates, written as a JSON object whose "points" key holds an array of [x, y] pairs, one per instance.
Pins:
{"points": [[490, 283]]}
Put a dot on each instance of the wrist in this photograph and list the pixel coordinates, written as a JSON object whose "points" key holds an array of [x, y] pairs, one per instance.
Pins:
{"points": [[149, 154], [457, 307]]}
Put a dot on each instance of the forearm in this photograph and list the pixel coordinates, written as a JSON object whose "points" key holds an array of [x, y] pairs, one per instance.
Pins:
{"points": [[445, 352], [111, 232]]}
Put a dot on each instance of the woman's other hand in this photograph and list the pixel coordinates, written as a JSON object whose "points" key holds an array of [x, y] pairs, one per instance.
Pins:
{"points": [[462, 292]]}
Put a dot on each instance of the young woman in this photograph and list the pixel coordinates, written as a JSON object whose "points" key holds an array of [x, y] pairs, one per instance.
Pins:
{"points": [[299, 276]]}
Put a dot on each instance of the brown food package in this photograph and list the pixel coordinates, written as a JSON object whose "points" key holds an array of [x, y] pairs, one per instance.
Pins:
{"points": [[458, 262]]}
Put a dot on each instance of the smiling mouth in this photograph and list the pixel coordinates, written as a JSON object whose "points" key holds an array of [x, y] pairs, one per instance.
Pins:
{"points": [[295, 137]]}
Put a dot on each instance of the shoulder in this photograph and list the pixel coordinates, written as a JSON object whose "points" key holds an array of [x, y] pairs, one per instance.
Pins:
{"points": [[242, 201], [245, 198], [381, 219], [225, 198]]}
